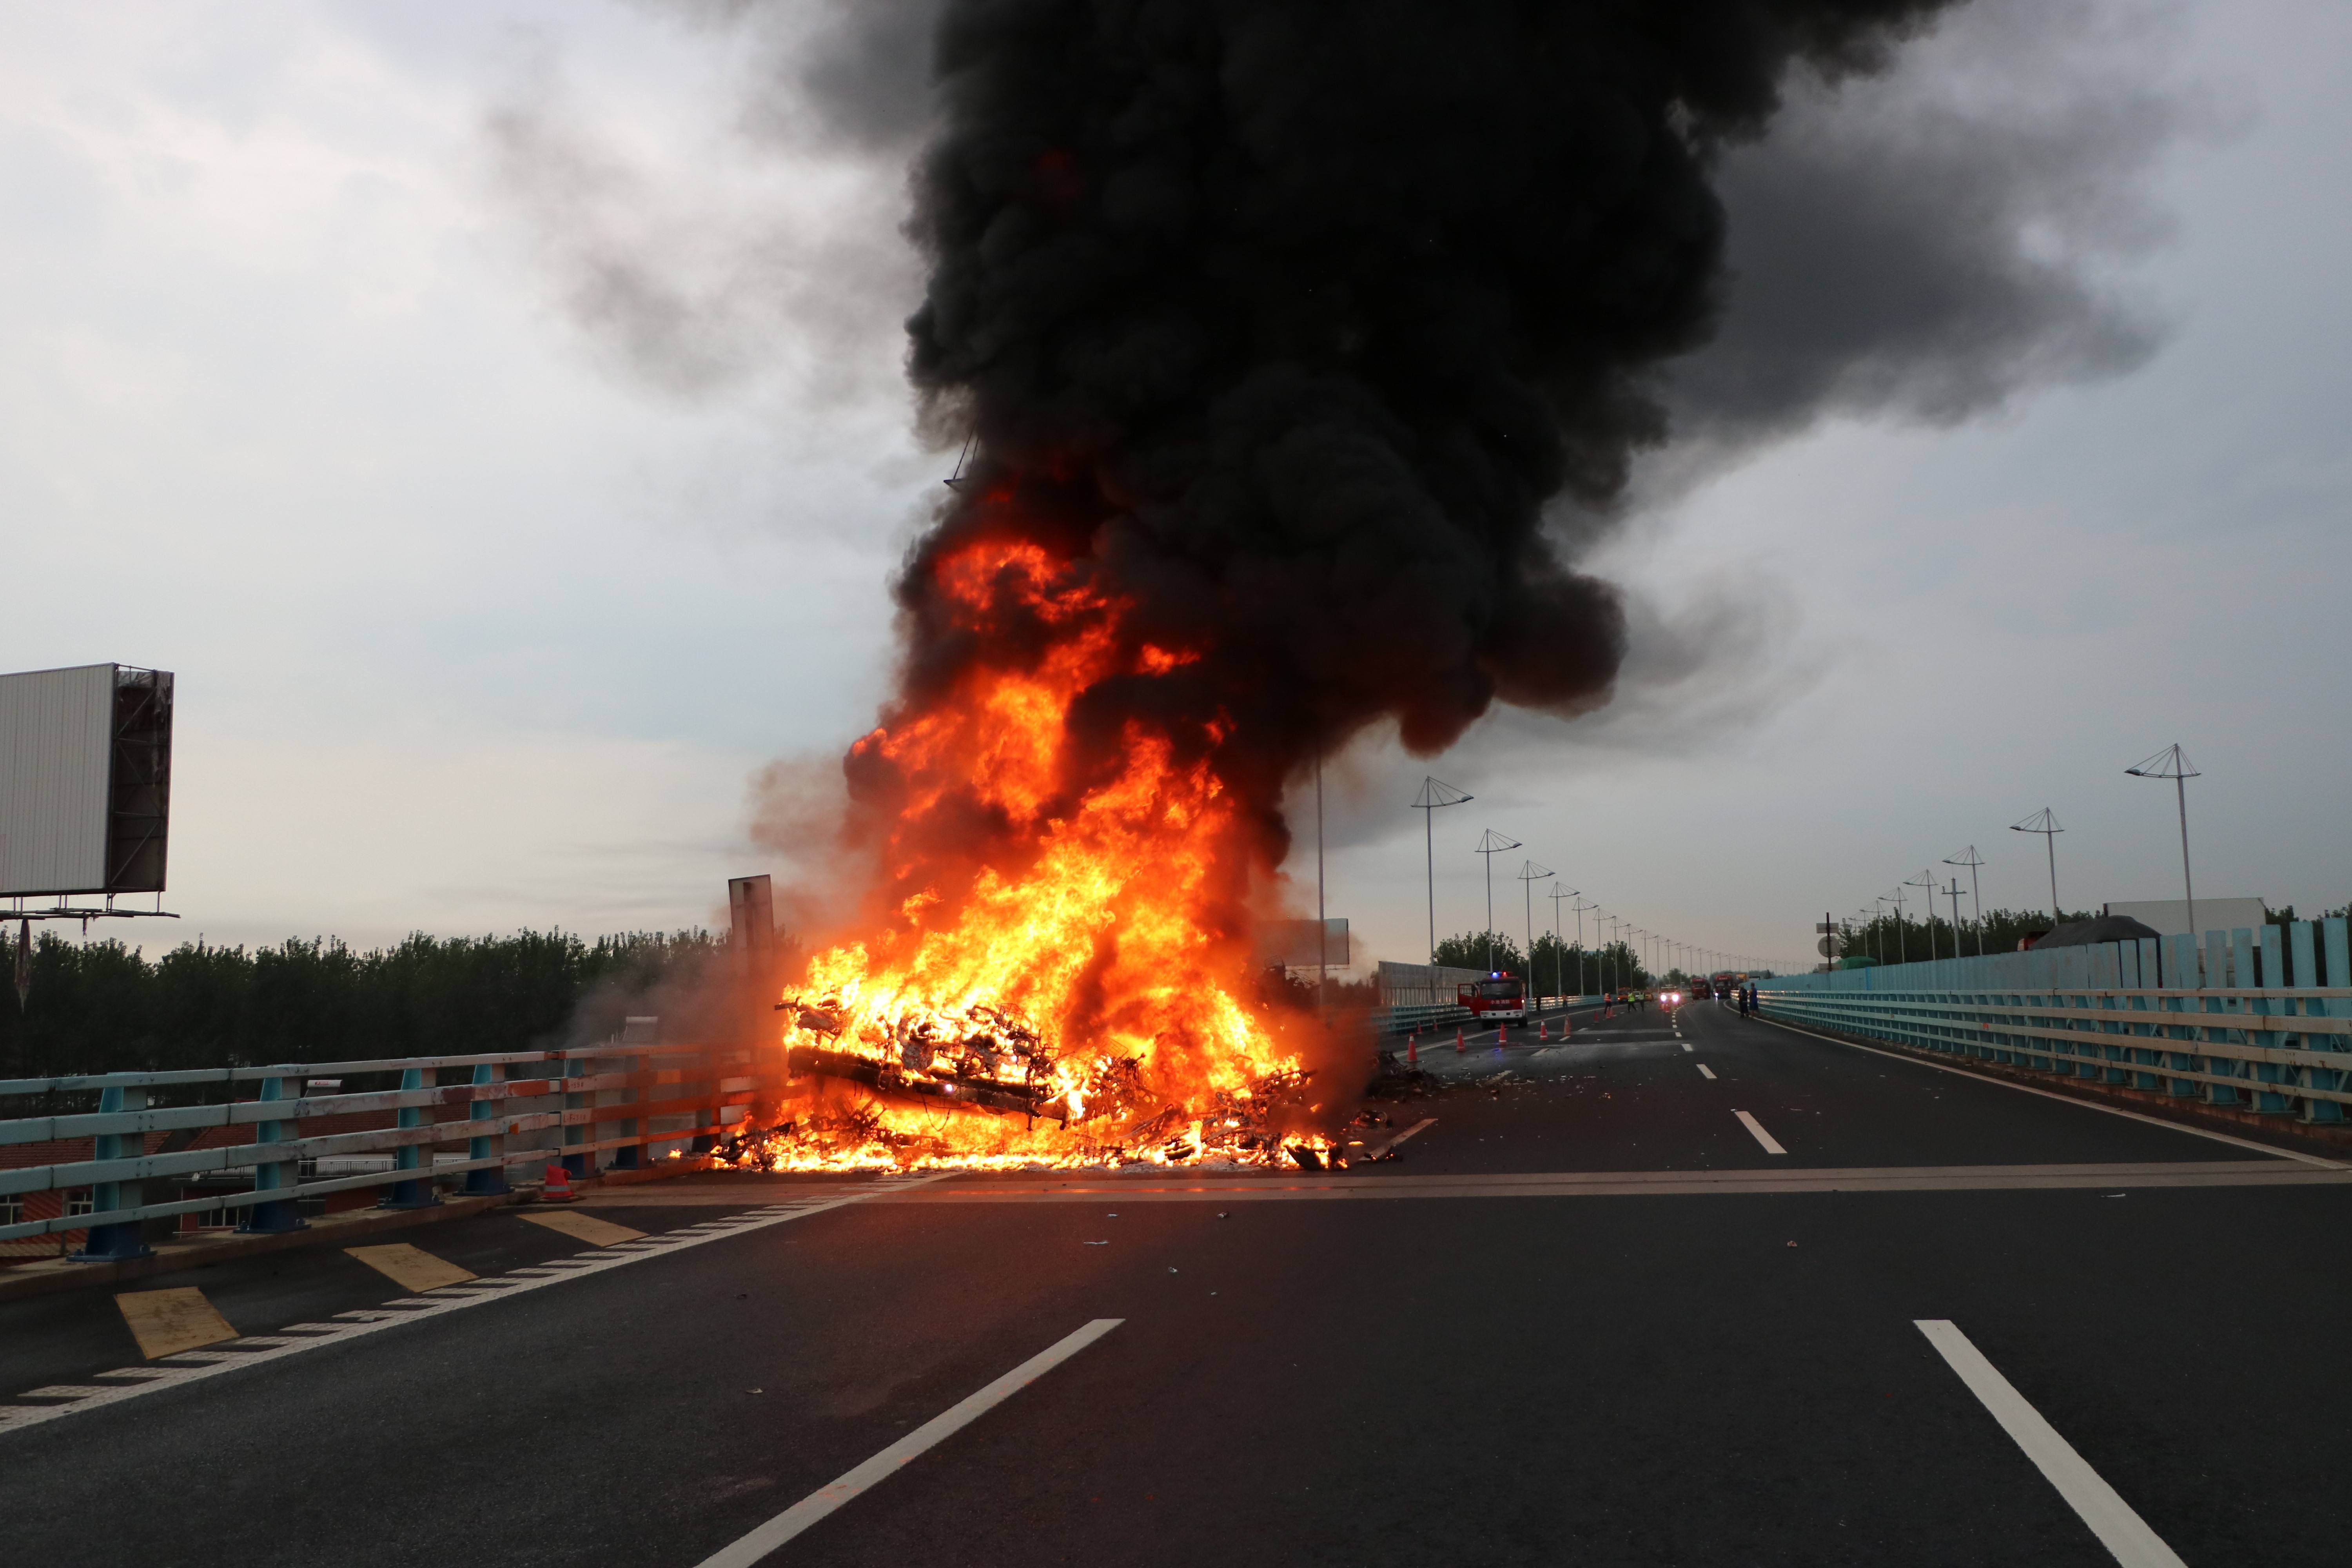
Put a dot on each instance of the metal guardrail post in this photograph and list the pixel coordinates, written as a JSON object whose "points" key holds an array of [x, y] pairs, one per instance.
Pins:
{"points": [[489, 1181], [274, 1216], [123, 1240], [2332, 933], [628, 1156], [413, 1192], [577, 1165]]}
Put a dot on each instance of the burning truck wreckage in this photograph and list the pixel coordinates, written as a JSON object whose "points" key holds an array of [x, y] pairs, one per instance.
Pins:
{"points": [[1100, 1110], [1277, 336]]}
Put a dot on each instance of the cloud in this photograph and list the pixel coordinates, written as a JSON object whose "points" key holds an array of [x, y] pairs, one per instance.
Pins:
{"points": [[695, 261], [1929, 245]]}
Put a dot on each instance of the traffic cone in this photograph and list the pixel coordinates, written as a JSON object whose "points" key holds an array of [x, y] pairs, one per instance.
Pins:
{"points": [[1413, 1051], [558, 1188], [1502, 1035], [1460, 1045], [1542, 1030]]}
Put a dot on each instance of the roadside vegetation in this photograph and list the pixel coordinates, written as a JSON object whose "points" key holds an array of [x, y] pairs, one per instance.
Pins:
{"points": [[100, 1006]]}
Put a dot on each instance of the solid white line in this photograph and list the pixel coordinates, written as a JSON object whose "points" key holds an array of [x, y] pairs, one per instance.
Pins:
{"points": [[1762, 1137], [2271, 1149], [2119, 1530], [1702, 1071], [191, 1367], [743, 1554]]}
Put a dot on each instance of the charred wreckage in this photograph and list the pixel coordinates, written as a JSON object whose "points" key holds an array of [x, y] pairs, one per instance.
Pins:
{"points": [[983, 1061]]}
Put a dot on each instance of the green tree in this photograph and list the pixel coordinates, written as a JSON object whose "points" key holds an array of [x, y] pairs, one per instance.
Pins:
{"points": [[1486, 951], [99, 1007]]}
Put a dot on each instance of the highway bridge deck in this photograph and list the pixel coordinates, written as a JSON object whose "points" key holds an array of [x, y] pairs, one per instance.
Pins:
{"points": [[1586, 1316]]}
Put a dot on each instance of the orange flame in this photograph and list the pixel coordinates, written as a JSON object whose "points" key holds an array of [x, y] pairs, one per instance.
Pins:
{"points": [[1074, 962]]}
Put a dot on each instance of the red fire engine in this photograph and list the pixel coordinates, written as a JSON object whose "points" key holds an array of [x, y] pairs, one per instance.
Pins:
{"points": [[1499, 997]]}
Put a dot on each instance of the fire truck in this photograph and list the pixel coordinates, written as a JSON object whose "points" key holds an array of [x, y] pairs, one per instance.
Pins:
{"points": [[1501, 997]]}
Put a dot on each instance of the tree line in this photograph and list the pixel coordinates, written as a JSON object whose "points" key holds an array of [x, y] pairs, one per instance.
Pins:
{"points": [[100, 1006], [1898, 938], [1555, 966]]}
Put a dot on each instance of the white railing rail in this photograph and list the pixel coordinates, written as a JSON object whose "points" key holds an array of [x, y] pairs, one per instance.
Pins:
{"points": [[2239, 1020], [637, 1102]]}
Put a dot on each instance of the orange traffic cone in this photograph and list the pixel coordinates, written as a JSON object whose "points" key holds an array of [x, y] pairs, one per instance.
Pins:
{"points": [[1502, 1035], [1413, 1050], [558, 1187], [1460, 1045], [1542, 1030]]}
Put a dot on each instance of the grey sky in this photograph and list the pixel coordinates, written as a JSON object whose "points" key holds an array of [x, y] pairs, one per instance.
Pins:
{"points": [[493, 569]]}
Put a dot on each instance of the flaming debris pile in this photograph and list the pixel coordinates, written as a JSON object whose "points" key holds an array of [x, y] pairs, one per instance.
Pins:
{"points": [[1276, 325]]}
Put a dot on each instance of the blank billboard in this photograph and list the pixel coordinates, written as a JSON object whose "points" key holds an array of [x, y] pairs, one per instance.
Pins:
{"points": [[85, 780], [1302, 944]]}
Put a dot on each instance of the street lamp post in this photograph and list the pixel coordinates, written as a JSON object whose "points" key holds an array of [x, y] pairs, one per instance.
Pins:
{"points": [[1580, 908], [1434, 793], [2046, 822], [1927, 879], [1971, 859], [1322, 918], [2173, 764], [1902, 952], [1529, 874], [1560, 942], [1491, 844]]}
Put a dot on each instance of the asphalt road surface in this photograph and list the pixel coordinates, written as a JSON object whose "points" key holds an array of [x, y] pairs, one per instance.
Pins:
{"points": [[1585, 1316]]}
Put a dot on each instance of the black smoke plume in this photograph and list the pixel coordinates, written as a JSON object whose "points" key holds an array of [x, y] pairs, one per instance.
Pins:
{"points": [[1284, 320]]}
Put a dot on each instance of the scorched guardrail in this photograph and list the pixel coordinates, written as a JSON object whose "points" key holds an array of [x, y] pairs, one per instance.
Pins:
{"points": [[2242, 1021], [628, 1098]]}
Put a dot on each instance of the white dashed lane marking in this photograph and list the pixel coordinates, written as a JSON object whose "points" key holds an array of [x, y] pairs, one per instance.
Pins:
{"points": [[1703, 1071], [2119, 1528], [1771, 1144], [751, 1549]]}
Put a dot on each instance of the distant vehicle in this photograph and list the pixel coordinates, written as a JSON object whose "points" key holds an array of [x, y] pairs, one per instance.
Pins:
{"points": [[1499, 997], [1670, 999]]}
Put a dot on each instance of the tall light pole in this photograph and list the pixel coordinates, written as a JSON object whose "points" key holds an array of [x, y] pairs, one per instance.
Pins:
{"points": [[1902, 954], [1560, 942], [1322, 920], [1971, 859], [1434, 793], [1491, 844], [1529, 874], [2173, 764], [1580, 943], [1926, 880], [2046, 822]]}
